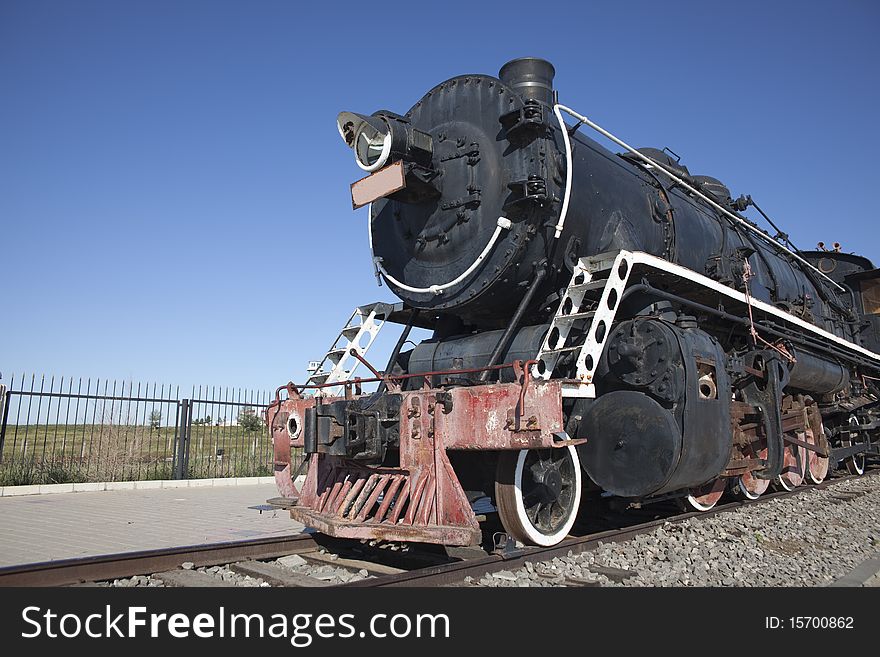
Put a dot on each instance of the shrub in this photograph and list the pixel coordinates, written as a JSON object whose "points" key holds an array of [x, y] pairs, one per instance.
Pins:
{"points": [[249, 420]]}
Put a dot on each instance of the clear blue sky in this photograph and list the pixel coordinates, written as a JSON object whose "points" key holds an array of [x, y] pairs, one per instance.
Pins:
{"points": [[174, 195]]}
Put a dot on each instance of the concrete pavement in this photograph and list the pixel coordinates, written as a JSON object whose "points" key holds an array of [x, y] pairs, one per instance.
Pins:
{"points": [[36, 528]]}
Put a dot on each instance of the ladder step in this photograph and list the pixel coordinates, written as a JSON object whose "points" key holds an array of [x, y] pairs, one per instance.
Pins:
{"points": [[337, 355], [564, 350], [350, 332], [319, 378], [588, 287], [381, 308], [600, 263], [578, 390], [559, 319]]}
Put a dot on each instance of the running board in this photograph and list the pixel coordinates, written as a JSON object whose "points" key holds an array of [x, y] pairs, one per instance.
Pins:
{"points": [[589, 308]]}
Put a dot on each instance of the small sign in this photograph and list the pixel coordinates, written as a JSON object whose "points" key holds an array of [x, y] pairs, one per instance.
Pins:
{"points": [[378, 185]]}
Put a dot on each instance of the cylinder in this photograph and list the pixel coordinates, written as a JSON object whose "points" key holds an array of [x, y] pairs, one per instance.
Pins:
{"points": [[473, 351], [821, 376], [530, 77]]}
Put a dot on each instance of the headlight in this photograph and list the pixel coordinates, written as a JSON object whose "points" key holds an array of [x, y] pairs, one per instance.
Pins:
{"points": [[368, 136], [372, 147]]}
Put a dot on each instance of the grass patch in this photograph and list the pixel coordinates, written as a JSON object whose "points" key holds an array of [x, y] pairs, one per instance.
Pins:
{"points": [[45, 454], [31, 473]]}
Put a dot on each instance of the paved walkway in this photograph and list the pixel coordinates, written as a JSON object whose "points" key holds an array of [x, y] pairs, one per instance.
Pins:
{"points": [[37, 528]]}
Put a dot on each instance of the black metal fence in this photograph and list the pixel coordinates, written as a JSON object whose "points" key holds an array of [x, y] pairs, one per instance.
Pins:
{"points": [[75, 429]]}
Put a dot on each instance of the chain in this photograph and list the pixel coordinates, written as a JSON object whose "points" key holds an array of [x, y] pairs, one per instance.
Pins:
{"points": [[779, 347]]}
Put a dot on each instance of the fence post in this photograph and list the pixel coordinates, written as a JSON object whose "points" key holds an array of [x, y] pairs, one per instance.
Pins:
{"points": [[189, 423], [181, 452], [4, 413]]}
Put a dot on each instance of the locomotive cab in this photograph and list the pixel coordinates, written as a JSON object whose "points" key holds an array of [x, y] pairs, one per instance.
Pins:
{"points": [[859, 276], [867, 286]]}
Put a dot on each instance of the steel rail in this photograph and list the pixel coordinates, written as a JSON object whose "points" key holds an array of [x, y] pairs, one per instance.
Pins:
{"points": [[127, 564]]}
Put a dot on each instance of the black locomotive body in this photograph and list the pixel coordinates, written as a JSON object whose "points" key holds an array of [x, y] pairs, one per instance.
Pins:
{"points": [[602, 323]]}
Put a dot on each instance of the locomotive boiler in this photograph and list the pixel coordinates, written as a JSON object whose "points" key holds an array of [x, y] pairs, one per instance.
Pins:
{"points": [[603, 322]]}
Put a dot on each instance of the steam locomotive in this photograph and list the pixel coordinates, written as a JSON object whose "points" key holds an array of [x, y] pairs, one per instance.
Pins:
{"points": [[603, 324]]}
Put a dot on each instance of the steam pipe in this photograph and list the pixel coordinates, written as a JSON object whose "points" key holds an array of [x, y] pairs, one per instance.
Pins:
{"points": [[396, 352], [504, 340]]}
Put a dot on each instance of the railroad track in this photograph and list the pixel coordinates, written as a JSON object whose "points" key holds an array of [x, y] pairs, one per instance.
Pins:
{"points": [[454, 573], [127, 564], [378, 567]]}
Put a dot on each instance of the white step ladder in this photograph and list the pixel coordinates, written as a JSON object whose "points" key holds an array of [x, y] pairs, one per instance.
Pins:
{"points": [[607, 274], [359, 332]]}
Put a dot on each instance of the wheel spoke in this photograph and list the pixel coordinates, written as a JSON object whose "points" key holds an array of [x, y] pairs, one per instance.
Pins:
{"points": [[533, 512], [532, 497], [564, 499], [545, 518]]}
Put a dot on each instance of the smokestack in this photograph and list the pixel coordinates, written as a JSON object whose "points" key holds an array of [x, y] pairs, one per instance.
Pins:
{"points": [[530, 77]]}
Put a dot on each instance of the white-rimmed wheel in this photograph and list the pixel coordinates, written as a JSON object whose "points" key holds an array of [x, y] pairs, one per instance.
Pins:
{"points": [[703, 498], [855, 464], [538, 493], [794, 460], [817, 466], [749, 485]]}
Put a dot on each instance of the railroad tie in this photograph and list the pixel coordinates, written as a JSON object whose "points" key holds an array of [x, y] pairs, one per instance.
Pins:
{"points": [[275, 575], [190, 578]]}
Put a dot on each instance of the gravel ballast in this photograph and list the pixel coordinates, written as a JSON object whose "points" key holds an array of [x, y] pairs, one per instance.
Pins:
{"points": [[810, 539], [328, 573]]}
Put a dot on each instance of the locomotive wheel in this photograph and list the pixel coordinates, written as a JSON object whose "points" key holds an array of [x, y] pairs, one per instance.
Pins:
{"points": [[817, 466], [794, 459], [703, 498], [749, 485], [537, 493], [855, 464]]}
